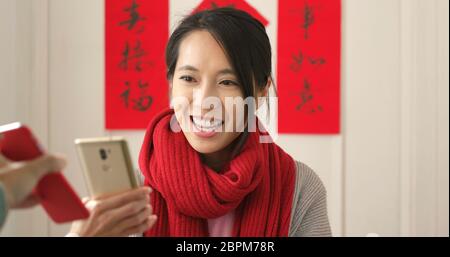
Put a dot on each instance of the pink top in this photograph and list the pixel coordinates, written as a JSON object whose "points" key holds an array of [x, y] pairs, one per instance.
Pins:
{"points": [[221, 226]]}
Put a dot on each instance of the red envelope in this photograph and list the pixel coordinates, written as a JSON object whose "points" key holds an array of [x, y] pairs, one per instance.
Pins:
{"points": [[55, 194]]}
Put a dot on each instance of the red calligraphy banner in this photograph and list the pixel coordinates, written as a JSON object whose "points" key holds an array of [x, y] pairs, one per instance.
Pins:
{"points": [[309, 45], [136, 34]]}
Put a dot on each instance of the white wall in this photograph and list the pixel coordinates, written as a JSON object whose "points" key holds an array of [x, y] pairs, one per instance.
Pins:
{"points": [[372, 90], [23, 91], [386, 173]]}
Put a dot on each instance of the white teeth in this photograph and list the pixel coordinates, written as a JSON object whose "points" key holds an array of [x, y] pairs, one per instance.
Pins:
{"points": [[207, 129], [206, 125]]}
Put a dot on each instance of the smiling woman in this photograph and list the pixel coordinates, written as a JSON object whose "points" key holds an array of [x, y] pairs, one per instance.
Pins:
{"points": [[212, 173], [211, 178]]}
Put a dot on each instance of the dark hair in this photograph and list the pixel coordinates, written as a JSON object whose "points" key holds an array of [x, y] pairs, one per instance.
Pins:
{"points": [[243, 39]]}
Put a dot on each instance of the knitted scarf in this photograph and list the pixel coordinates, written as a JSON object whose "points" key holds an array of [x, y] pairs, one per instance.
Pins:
{"points": [[258, 184]]}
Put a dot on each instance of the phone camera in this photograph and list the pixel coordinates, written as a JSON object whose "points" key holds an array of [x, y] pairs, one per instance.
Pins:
{"points": [[103, 154]]}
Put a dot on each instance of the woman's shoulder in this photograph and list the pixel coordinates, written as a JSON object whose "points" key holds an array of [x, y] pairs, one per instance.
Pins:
{"points": [[309, 208], [307, 180]]}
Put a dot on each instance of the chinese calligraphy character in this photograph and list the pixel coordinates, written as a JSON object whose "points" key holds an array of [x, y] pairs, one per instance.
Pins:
{"points": [[298, 59], [135, 53], [316, 61], [143, 103], [307, 19], [306, 96], [126, 94], [142, 85], [134, 17]]}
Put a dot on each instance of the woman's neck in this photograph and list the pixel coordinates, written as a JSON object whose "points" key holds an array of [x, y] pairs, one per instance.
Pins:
{"points": [[217, 160], [214, 161]]}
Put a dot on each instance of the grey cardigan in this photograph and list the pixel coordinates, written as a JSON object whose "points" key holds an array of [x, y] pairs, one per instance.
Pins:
{"points": [[309, 217]]}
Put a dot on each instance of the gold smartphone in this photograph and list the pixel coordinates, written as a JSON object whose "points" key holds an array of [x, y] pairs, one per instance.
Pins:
{"points": [[106, 165]]}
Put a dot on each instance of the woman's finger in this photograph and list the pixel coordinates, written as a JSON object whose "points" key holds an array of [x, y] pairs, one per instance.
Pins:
{"points": [[128, 210], [85, 200], [134, 220], [141, 228], [121, 199]]}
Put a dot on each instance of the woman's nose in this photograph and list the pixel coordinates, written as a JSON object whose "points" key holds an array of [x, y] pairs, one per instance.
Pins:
{"points": [[206, 96], [206, 92]]}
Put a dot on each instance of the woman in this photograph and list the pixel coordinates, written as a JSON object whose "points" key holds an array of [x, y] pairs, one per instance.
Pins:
{"points": [[211, 178]]}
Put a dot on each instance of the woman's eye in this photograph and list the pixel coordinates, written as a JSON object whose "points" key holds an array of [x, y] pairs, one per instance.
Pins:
{"points": [[187, 78], [228, 83]]}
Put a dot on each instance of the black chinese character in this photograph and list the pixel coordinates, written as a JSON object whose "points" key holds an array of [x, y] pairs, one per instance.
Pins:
{"points": [[316, 61], [306, 97], [308, 19], [135, 53], [297, 61], [126, 94], [143, 103], [134, 17]]}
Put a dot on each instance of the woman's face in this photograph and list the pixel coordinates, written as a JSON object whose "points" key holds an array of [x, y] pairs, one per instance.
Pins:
{"points": [[204, 78]]}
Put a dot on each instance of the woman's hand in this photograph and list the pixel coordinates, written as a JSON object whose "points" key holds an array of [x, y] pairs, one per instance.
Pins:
{"points": [[123, 214], [20, 178]]}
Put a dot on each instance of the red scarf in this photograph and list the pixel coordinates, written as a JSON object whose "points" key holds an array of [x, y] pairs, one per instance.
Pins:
{"points": [[258, 184]]}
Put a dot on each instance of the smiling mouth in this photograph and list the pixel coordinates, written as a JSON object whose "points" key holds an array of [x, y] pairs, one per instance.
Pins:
{"points": [[207, 125]]}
